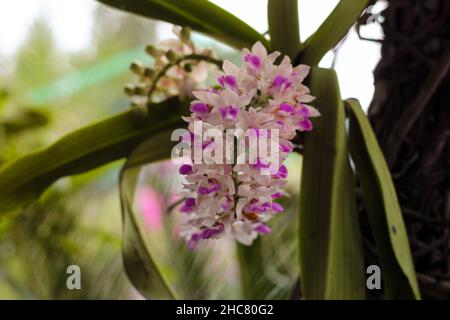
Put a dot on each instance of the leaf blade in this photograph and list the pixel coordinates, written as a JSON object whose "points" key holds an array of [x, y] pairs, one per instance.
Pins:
{"points": [[383, 208], [328, 227], [332, 30], [345, 272], [200, 15], [140, 265], [26, 178], [284, 26], [254, 284]]}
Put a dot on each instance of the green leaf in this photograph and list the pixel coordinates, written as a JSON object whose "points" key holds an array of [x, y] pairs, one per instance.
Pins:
{"points": [[345, 272], [284, 27], [384, 211], [331, 260], [4, 98], [254, 284], [140, 265], [24, 120], [26, 178], [200, 15], [332, 30]]}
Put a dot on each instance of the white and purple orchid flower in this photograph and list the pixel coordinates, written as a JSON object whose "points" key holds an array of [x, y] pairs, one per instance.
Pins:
{"points": [[235, 199]]}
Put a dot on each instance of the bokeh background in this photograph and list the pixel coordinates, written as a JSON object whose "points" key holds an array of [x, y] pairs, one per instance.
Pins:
{"points": [[63, 65]]}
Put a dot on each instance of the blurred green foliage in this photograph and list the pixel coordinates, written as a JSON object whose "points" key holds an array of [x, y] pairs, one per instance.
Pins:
{"points": [[51, 92], [66, 226]]}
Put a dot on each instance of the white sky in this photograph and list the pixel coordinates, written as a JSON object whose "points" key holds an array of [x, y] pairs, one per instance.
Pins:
{"points": [[71, 21]]}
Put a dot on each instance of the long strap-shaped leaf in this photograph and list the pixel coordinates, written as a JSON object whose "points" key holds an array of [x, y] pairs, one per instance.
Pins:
{"points": [[26, 178], [140, 265], [331, 262], [200, 15], [383, 208], [283, 26], [254, 283], [332, 30]]}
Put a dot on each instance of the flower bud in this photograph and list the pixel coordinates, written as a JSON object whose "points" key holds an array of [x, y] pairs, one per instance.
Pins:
{"points": [[171, 56], [149, 73], [185, 34], [129, 90], [137, 68], [187, 67], [140, 89], [153, 51]]}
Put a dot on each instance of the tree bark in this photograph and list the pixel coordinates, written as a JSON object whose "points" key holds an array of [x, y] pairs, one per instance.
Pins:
{"points": [[410, 114]]}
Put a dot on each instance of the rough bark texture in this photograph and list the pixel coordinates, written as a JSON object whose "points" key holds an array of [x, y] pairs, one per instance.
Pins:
{"points": [[410, 114]]}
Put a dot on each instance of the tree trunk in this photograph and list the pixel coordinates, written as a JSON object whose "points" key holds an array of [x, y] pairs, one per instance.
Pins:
{"points": [[411, 117]]}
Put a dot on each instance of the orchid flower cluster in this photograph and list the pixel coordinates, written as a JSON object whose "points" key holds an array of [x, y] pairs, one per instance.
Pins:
{"points": [[236, 200], [179, 68]]}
